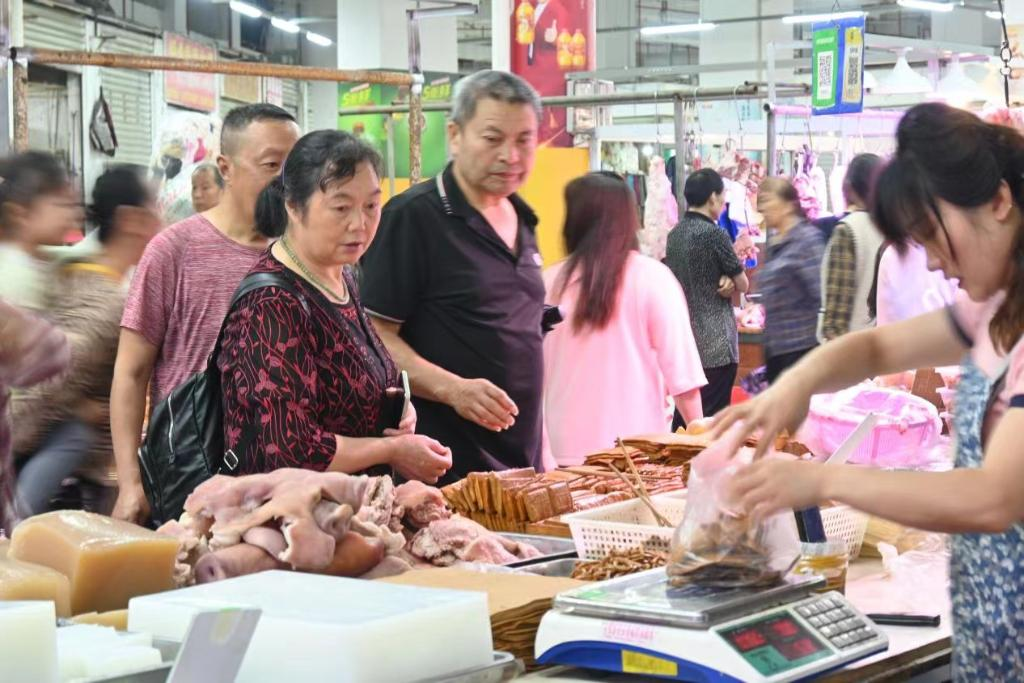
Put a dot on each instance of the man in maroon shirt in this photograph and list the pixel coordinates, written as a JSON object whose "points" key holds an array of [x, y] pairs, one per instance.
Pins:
{"points": [[182, 288]]}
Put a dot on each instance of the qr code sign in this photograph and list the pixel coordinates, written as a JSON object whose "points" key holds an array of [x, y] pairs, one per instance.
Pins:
{"points": [[825, 68], [853, 68]]}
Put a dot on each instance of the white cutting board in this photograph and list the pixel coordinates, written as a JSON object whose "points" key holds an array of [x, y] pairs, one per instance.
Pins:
{"points": [[323, 628]]}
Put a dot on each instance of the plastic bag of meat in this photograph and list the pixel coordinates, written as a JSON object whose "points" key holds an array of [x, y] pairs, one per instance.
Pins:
{"points": [[717, 547]]}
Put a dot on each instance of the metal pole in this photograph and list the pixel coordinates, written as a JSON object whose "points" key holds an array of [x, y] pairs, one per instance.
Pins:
{"points": [[743, 92], [389, 128], [19, 75], [416, 130], [6, 99], [773, 140], [680, 125], [156, 63]]}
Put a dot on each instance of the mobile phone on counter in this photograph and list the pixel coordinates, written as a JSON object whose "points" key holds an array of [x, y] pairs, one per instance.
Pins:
{"points": [[397, 401]]}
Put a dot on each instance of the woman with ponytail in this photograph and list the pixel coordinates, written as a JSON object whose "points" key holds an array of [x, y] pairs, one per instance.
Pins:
{"points": [[303, 364], [956, 187]]}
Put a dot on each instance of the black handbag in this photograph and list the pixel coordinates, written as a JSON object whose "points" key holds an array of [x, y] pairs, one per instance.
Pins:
{"points": [[184, 444]]}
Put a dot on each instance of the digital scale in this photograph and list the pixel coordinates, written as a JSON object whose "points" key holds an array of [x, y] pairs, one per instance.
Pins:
{"points": [[639, 624]]}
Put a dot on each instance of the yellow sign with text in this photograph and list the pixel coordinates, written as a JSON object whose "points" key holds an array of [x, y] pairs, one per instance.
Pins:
{"points": [[639, 663]]}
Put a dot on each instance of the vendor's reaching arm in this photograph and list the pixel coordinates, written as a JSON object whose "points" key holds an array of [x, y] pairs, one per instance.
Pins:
{"points": [[476, 400], [989, 499], [931, 340]]}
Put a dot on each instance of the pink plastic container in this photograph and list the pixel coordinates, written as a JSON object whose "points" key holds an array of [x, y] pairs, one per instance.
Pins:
{"points": [[907, 426]]}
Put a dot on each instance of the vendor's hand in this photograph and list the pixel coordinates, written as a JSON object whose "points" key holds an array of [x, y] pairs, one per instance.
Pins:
{"points": [[782, 408], [131, 505], [551, 35], [726, 287], [407, 425], [420, 458], [482, 403], [779, 483]]}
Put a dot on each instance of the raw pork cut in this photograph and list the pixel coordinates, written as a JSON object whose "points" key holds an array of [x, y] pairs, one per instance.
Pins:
{"points": [[445, 542], [421, 504]]}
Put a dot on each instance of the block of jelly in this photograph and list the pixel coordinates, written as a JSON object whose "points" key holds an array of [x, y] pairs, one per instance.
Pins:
{"points": [[108, 562], [28, 642], [117, 619], [27, 581]]}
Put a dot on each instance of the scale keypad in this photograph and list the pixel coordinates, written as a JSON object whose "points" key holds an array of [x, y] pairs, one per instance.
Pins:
{"points": [[837, 622]]}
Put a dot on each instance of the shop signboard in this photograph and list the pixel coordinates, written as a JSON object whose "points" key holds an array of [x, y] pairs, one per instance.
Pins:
{"points": [[837, 67], [372, 127], [196, 91], [241, 88], [551, 38]]}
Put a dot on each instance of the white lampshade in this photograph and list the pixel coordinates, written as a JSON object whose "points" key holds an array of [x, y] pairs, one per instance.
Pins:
{"points": [[957, 87], [870, 81], [903, 80]]}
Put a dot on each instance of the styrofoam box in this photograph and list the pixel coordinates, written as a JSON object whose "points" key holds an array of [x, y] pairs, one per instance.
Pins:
{"points": [[324, 628]]}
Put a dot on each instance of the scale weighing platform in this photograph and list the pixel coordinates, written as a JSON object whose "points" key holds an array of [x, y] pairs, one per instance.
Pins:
{"points": [[639, 624]]}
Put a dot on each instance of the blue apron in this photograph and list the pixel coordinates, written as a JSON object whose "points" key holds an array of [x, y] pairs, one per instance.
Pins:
{"points": [[986, 570]]}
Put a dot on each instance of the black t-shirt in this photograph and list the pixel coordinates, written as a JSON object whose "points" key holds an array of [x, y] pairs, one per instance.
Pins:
{"points": [[467, 304]]}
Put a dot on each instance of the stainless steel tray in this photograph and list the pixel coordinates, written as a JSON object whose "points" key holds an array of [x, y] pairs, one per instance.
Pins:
{"points": [[550, 547], [505, 667], [561, 568]]}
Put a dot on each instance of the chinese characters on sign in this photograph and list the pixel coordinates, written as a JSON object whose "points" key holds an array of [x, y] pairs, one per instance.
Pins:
{"points": [[196, 91]]}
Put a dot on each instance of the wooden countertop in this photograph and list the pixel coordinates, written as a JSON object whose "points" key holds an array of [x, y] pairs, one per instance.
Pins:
{"points": [[912, 651]]}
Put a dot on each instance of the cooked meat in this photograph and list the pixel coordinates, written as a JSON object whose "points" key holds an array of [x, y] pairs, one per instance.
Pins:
{"points": [[238, 560], [444, 542], [421, 504]]}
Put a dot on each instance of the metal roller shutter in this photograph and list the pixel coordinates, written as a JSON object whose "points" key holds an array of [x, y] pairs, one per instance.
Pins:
{"points": [[129, 94], [53, 29], [290, 97]]}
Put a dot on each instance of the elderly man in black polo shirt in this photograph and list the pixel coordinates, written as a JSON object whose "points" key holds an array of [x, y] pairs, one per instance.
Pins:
{"points": [[453, 282]]}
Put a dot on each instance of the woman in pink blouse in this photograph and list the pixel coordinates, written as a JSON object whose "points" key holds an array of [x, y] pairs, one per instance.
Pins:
{"points": [[626, 347]]}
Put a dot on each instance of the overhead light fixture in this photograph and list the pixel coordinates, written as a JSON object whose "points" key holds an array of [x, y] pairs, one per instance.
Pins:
{"points": [[870, 81], [284, 25], [461, 9], [994, 14], [246, 9], [676, 28], [903, 80], [816, 18], [927, 5], [318, 39]]}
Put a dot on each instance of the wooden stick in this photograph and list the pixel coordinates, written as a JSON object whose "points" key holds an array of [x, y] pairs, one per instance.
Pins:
{"points": [[643, 498], [644, 495]]}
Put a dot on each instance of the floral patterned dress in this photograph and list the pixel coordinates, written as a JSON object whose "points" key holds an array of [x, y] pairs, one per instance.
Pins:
{"points": [[986, 570]]}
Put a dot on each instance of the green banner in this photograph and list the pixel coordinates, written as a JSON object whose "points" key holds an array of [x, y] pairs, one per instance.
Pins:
{"points": [[825, 61], [371, 127]]}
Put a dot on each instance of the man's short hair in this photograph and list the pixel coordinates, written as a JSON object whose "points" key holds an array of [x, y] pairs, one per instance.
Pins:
{"points": [[239, 118], [701, 185], [212, 170], [495, 85]]}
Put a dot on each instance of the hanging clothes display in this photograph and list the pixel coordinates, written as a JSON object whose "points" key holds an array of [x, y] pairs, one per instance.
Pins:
{"points": [[661, 212]]}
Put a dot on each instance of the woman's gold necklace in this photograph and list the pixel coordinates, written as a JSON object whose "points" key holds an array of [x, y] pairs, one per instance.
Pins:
{"points": [[309, 275]]}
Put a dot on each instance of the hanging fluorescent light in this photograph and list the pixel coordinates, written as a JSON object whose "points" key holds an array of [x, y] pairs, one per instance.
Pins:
{"points": [[903, 80], [246, 9], [284, 25], [318, 39], [816, 18], [994, 14], [675, 28], [927, 5]]}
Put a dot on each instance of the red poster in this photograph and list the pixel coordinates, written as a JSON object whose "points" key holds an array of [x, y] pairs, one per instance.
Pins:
{"points": [[549, 39], [186, 89]]}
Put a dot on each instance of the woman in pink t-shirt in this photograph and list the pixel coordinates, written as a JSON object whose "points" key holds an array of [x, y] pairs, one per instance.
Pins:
{"points": [[955, 186], [626, 346]]}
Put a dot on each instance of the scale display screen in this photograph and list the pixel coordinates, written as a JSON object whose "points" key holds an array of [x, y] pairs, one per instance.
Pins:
{"points": [[775, 644]]}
